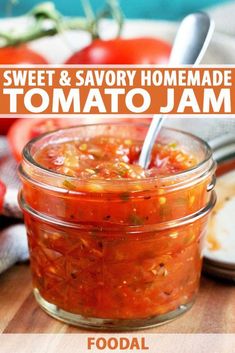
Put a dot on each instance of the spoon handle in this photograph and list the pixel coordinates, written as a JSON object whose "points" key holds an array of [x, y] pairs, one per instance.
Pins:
{"points": [[190, 44], [150, 138]]}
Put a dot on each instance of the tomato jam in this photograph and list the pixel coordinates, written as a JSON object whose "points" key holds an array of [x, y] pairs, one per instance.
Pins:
{"points": [[106, 157], [113, 245]]}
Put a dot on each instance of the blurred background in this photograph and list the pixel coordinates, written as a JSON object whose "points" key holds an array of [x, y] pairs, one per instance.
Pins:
{"points": [[151, 9]]}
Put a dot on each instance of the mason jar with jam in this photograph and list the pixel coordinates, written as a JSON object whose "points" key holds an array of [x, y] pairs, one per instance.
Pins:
{"points": [[114, 246]]}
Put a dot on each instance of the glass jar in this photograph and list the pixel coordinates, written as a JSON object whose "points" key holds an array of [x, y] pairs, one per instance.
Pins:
{"points": [[116, 254]]}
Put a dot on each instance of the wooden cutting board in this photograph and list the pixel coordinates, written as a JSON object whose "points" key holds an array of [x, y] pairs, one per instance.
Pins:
{"points": [[213, 312]]}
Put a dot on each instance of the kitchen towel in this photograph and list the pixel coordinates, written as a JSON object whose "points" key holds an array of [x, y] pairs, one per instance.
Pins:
{"points": [[13, 246]]}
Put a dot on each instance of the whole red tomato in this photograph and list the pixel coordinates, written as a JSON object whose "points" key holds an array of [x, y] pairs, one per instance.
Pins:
{"points": [[20, 54], [123, 51], [5, 123]]}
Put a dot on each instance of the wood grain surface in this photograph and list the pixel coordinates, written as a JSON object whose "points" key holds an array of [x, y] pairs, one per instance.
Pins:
{"points": [[213, 311]]}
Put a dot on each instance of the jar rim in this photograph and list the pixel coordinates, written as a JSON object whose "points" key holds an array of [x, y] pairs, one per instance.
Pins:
{"points": [[28, 158]]}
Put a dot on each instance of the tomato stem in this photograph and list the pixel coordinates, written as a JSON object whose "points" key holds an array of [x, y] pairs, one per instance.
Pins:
{"points": [[90, 15], [45, 20], [114, 11], [9, 7], [91, 18], [117, 14]]}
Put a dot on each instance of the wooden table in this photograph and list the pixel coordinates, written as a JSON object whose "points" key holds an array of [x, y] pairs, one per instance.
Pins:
{"points": [[213, 312]]}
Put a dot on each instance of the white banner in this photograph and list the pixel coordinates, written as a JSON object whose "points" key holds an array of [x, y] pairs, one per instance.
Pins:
{"points": [[107, 343]]}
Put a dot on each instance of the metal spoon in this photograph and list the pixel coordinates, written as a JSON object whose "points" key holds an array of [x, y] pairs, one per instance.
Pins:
{"points": [[190, 44]]}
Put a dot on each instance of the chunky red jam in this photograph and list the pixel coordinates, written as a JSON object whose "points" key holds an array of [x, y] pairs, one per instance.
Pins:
{"points": [[108, 252], [111, 158]]}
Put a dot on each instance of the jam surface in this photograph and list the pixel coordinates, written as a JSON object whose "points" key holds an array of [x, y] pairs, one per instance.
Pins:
{"points": [[106, 157]]}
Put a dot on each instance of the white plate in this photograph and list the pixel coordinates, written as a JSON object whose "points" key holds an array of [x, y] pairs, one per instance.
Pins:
{"points": [[219, 272], [220, 247]]}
